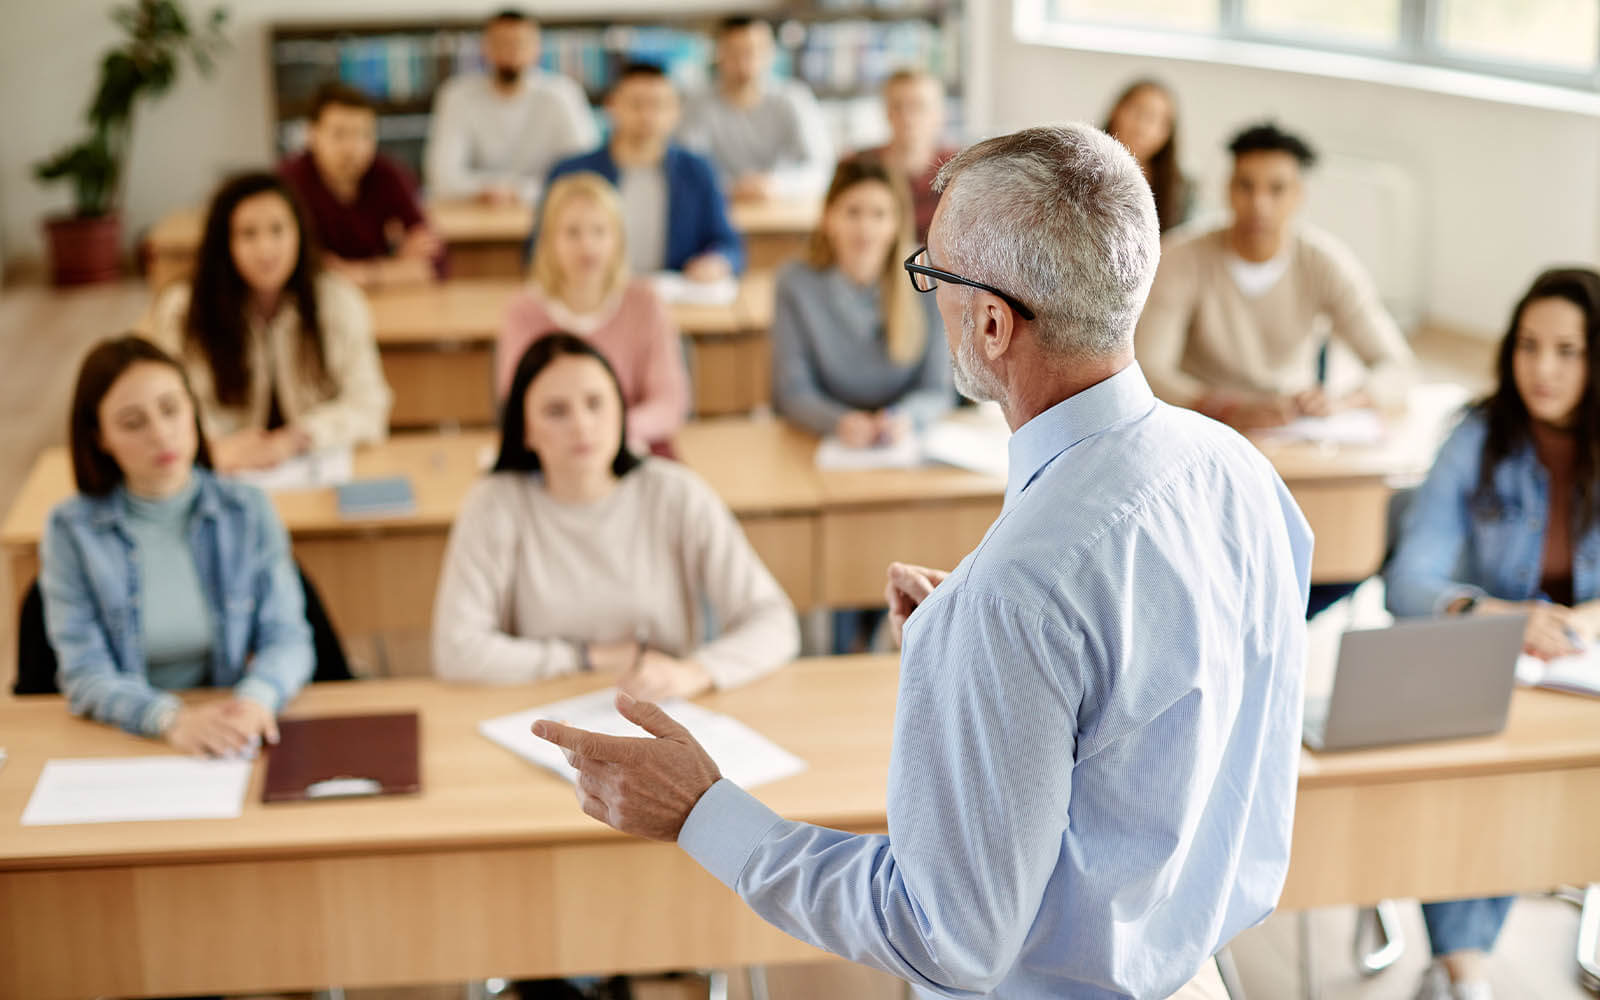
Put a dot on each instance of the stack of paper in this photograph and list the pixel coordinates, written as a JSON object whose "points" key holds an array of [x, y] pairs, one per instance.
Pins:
{"points": [[1351, 427], [967, 445], [332, 467], [1579, 673], [677, 289], [744, 756], [117, 790], [835, 454]]}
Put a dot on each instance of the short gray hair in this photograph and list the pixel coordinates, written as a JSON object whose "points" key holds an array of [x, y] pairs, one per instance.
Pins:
{"points": [[1061, 217]]}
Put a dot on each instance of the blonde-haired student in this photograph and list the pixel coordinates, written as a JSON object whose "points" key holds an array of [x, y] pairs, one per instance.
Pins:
{"points": [[855, 351], [579, 283]]}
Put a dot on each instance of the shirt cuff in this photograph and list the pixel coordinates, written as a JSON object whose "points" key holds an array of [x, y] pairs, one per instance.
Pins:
{"points": [[1453, 594], [157, 718], [258, 690], [724, 829]]}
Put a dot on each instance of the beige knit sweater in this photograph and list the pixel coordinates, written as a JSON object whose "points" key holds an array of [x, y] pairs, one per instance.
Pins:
{"points": [[1199, 333], [527, 578], [353, 408]]}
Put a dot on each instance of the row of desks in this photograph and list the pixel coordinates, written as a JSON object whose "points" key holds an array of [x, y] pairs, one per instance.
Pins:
{"points": [[486, 241], [827, 535], [437, 342], [492, 870]]}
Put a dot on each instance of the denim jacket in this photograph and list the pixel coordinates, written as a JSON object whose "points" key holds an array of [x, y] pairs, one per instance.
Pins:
{"points": [[261, 646], [1453, 545]]}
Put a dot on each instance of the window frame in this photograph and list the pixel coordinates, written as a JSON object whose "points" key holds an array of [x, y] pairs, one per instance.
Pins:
{"points": [[1417, 42]]}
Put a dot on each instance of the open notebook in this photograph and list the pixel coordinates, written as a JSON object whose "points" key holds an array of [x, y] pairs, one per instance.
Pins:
{"points": [[1579, 673]]}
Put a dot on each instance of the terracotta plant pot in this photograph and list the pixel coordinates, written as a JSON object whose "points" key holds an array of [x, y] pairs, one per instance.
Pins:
{"points": [[84, 250]]}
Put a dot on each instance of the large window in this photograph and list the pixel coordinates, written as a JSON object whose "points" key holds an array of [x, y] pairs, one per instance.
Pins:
{"points": [[1549, 41]]}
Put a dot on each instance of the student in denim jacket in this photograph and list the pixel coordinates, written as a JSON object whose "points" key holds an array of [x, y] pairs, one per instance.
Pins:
{"points": [[1506, 522], [158, 576]]}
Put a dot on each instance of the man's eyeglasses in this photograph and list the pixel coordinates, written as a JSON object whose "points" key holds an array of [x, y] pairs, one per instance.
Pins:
{"points": [[925, 278]]}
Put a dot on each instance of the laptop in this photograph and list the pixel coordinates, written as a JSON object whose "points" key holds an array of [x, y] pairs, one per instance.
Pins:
{"points": [[1431, 679]]}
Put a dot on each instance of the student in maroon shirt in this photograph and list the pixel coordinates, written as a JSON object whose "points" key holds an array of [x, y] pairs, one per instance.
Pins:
{"points": [[362, 205], [913, 101]]}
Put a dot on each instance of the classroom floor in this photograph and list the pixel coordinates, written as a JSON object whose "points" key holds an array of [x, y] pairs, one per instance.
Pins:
{"points": [[43, 334]]}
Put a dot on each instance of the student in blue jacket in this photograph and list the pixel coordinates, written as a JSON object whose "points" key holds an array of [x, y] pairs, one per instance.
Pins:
{"points": [[676, 216], [158, 576], [1508, 522]]}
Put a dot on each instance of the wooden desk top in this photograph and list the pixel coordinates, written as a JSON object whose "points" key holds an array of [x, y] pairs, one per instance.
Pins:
{"points": [[754, 465], [764, 218], [471, 311], [469, 221], [441, 467], [836, 713]]}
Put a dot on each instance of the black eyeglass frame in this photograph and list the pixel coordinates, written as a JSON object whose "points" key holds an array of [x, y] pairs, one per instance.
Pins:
{"points": [[913, 269]]}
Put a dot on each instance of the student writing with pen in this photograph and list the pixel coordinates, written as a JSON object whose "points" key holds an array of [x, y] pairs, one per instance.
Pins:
{"points": [[1506, 523]]}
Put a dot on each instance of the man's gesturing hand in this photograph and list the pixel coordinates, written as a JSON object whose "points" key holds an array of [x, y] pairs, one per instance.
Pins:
{"points": [[908, 587], [643, 786]]}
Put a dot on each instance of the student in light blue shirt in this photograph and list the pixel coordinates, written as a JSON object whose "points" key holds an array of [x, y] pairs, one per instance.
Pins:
{"points": [[1097, 736], [1508, 522], [158, 576]]}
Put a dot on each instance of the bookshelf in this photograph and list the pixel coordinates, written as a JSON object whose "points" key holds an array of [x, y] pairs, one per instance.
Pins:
{"points": [[843, 49]]}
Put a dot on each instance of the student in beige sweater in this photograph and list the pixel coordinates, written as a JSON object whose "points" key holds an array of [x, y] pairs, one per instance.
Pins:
{"points": [[1233, 325], [574, 555], [280, 352]]}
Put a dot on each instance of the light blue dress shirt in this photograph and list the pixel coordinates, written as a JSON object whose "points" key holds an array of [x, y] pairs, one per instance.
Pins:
{"points": [[1098, 730]]}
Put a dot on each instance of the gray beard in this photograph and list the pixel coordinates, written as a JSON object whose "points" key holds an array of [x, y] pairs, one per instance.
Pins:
{"points": [[972, 379]]}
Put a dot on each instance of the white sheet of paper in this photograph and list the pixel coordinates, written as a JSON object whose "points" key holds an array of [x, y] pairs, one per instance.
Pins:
{"points": [[744, 756], [331, 467], [1579, 672], [675, 288], [1350, 427], [835, 454], [120, 790], [966, 445]]}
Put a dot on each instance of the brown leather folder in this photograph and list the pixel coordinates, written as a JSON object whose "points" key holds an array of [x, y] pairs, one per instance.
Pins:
{"points": [[338, 756]]}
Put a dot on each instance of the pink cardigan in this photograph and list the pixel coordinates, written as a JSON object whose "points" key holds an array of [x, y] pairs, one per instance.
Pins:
{"points": [[639, 340]]}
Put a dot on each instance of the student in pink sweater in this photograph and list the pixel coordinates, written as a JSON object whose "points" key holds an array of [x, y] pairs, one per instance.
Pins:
{"points": [[580, 284]]}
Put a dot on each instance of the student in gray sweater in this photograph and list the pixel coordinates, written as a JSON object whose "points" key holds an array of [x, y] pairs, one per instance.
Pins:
{"points": [[855, 351]]}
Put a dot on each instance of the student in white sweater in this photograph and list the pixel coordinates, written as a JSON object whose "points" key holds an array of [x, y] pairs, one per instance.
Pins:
{"points": [[574, 555]]}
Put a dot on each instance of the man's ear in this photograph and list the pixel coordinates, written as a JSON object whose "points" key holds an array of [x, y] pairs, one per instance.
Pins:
{"points": [[996, 324]]}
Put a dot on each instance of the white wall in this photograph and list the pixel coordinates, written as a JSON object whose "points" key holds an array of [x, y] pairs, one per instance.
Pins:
{"points": [[1506, 189], [203, 129]]}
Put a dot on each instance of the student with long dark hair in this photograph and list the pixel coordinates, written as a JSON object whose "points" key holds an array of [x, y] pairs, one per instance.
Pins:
{"points": [[158, 576], [1144, 118], [280, 352], [1508, 522], [576, 555]]}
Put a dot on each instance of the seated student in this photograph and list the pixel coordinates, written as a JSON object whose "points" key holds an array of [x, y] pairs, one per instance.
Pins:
{"points": [[1231, 324], [158, 576], [494, 135], [362, 205], [1508, 522], [1144, 118], [676, 217], [856, 352], [280, 353], [575, 555], [766, 136], [913, 101], [580, 284]]}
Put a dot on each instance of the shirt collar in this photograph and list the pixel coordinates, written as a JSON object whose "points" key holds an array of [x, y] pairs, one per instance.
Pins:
{"points": [[1082, 415], [114, 510]]}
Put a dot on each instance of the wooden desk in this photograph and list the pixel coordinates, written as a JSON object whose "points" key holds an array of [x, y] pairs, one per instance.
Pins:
{"points": [[493, 870], [775, 231], [437, 346]]}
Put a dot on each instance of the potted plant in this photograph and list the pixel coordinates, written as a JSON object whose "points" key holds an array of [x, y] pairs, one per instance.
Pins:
{"points": [[86, 245]]}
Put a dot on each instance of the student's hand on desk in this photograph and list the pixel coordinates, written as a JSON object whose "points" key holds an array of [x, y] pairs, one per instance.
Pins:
{"points": [[892, 428], [419, 243], [659, 677], [1314, 403], [642, 786], [220, 729], [857, 429], [908, 587], [708, 267], [1251, 413], [1551, 628], [753, 187], [499, 194], [254, 449]]}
